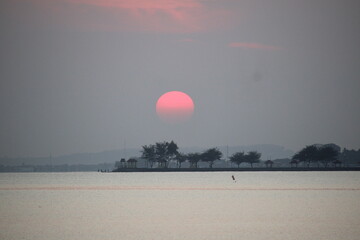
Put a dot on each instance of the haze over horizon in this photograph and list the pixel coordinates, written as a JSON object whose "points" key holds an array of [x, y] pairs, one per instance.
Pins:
{"points": [[84, 75]]}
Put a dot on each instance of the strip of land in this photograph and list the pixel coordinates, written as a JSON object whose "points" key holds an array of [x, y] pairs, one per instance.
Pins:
{"points": [[274, 169]]}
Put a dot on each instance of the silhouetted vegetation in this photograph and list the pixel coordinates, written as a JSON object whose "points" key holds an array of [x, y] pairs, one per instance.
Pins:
{"points": [[180, 158], [238, 158], [350, 156], [161, 152], [149, 154], [210, 156], [193, 159], [165, 154], [324, 154], [250, 158]]}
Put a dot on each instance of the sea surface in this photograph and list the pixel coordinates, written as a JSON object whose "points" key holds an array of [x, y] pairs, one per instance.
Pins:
{"points": [[195, 205]]}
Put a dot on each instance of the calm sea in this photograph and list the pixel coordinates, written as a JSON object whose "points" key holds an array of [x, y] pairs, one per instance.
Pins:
{"points": [[258, 205]]}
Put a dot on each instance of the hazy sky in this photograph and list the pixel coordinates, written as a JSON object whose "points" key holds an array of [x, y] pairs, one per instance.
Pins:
{"points": [[85, 75]]}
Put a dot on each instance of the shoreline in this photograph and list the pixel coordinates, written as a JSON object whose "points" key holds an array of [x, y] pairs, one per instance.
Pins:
{"points": [[273, 169]]}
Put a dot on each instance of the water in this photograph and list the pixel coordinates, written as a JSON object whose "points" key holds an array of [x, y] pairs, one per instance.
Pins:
{"points": [[259, 205]]}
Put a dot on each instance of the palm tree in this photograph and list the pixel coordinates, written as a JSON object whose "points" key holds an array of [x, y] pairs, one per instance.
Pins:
{"points": [[149, 154], [172, 152], [160, 153], [238, 158], [172, 148], [211, 155]]}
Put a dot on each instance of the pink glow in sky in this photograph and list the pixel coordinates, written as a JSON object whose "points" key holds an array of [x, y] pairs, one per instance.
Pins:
{"points": [[176, 16], [175, 107]]}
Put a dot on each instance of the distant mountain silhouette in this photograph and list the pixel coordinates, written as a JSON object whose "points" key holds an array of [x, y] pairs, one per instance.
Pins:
{"points": [[110, 156]]}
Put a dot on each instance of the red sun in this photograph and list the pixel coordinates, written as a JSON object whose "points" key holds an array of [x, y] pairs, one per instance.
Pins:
{"points": [[175, 107]]}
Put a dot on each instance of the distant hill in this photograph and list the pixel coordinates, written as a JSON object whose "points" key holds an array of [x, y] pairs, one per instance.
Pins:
{"points": [[110, 156]]}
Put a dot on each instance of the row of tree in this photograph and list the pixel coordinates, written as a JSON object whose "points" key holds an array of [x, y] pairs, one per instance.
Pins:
{"points": [[240, 157], [160, 152], [163, 153], [324, 154]]}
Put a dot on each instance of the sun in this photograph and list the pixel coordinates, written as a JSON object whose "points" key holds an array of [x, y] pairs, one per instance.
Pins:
{"points": [[175, 107]]}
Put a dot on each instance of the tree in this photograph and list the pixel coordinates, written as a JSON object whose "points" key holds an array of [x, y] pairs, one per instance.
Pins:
{"points": [[327, 154], [211, 155], [172, 152], [149, 154], [252, 157], [161, 152], [172, 149], [238, 158], [193, 159], [308, 154], [180, 158]]}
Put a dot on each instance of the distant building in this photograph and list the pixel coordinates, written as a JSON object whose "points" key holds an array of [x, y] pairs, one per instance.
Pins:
{"points": [[121, 164], [294, 162], [131, 163], [269, 163]]}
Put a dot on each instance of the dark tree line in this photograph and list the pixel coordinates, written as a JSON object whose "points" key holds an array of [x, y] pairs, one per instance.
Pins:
{"points": [[163, 153], [316, 154], [240, 157]]}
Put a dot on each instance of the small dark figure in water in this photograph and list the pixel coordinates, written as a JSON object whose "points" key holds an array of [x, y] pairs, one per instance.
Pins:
{"points": [[233, 178]]}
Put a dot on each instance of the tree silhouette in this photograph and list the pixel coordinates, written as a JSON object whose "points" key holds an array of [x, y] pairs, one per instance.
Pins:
{"points": [[327, 154], [252, 157], [180, 158], [307, 155], [324, 154], [211, 155], [148, 153], [172, 152], [238, 158], [165, 152], [172, 149], [161, 152], [193, 159]]}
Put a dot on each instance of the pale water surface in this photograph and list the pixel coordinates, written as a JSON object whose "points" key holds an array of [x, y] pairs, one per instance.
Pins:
{"points": [[259, 205]]}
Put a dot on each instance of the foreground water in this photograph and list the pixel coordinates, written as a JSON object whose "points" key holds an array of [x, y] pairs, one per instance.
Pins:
{"points": [[259, 205]]}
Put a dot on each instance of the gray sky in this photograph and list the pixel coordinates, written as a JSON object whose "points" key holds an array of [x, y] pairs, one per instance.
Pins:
{"points": [[85, 75]]}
